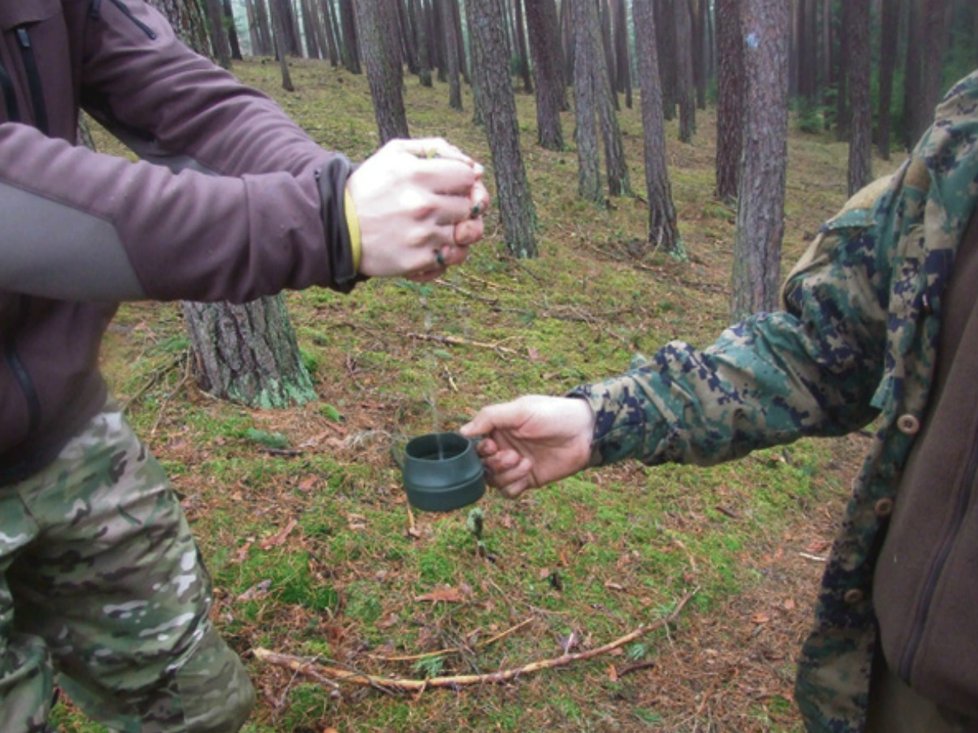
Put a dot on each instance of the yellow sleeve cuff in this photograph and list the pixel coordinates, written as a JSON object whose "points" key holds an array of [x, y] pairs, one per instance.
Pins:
{"points": [[353, 227]]}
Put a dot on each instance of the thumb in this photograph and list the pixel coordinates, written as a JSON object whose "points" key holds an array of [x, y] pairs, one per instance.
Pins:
{"points": [[491, 418]]}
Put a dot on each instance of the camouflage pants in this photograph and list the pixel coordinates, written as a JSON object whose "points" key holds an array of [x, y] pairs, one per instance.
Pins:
{"points": [[102, 585]]}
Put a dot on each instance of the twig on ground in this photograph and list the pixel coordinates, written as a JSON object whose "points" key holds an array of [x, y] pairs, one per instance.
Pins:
{"points": [[156, 377], [335, 675], [454, 650], [458, 341]]}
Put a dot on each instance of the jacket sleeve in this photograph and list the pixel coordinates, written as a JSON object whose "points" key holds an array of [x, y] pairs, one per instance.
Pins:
{"points": [[810, 369], [245, 206]]}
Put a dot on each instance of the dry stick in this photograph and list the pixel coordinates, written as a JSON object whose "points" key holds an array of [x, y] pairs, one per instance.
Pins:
{"points": [[456, 341], [334, 675], [455, 650]]}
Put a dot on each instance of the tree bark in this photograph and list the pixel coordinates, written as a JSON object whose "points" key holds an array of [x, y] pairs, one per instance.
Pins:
{"points": [[730, 98], [585, 101], [686, 84], [351, 42], [605, 98], [452, 61], [250, 353], [382, 58], [219, 39], [232, 31], [278, 37], [623, 71], [418, 10], [665, 23], [490, 72], [541, 21], [760, 211], [889, 35], [522, 55], [861, 121], [663, 230]]}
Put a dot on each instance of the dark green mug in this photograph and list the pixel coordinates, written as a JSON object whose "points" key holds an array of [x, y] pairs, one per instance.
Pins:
{"points": [[442, 472]]}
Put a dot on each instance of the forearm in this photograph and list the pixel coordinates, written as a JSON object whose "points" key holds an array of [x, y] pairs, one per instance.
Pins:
{"points": [[84, 226], [764, 383], [175, 107]]}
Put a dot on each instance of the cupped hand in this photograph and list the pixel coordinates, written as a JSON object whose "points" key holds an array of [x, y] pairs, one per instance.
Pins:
{"points": [[420, 205], [532, 441]]}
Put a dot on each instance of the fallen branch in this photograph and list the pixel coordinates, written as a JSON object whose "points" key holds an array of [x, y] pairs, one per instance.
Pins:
{"points": [[332, 675], [454, 650], [457, 341]]}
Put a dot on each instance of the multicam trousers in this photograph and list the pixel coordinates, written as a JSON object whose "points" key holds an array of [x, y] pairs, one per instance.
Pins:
{"points": [[102, 585]]}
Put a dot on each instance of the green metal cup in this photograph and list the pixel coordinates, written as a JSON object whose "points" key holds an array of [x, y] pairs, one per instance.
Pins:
{"points": [[442, 472]]}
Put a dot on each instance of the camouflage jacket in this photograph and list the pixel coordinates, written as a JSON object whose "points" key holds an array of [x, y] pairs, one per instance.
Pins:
{"points": [[856, 341]]}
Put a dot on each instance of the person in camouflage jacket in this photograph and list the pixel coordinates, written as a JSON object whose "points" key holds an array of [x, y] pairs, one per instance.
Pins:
{"points": [[857, 342]]}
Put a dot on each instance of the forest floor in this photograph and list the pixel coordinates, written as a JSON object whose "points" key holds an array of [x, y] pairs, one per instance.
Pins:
{"points": [[315, 553]]}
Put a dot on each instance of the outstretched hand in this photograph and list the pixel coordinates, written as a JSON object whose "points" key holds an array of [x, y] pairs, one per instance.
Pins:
{"points": [[532, 441], [420, 205]]}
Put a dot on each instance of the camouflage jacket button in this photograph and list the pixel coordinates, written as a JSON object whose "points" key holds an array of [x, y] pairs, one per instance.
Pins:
{"points": [[908, 424], [853, 596], [883, 507]]}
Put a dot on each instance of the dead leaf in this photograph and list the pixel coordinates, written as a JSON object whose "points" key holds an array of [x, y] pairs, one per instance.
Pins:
{"points": [[544, 573], [280, 537], [308, 483], [256, 591], [612, 673], [760, 618], [356, 522], [613, 586], [445, 594], [242, 553], [789, 604]]}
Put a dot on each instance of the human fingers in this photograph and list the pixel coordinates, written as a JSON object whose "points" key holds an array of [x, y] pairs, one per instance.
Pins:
{"points": [[502, 461], [514, 481], [449, 209], [500, 416], [443, 175], [469, 232], [433, 147]]}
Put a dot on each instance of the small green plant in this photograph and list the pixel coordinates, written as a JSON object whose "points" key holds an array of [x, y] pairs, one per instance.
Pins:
{"points": [[429, 666], [275, 441]]}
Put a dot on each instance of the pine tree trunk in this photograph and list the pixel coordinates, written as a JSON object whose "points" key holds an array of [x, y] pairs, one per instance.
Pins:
{"points": [[451, 54], [541, 21], [490, 69], [888, 56], [730, 98], [522, 55], [622, 63], [663, 231], [585, 101], [232, 31], [665, 23], [861, 122], [760, 211], [614, 150], [686, 84], [418, 11], [351, 43], [219, 39], [279, 40], [383, 67], [248, 353]]}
